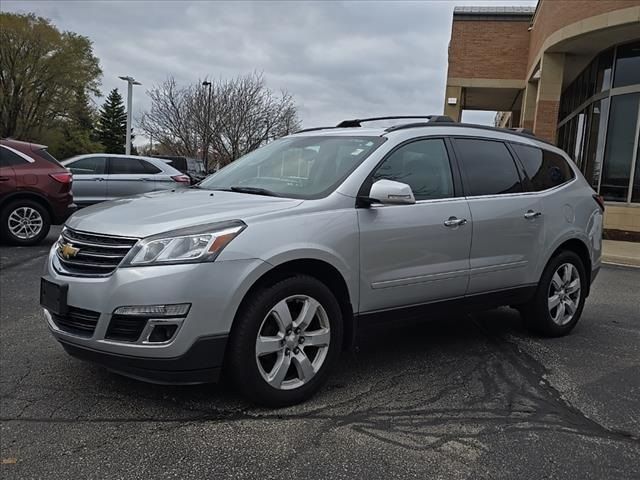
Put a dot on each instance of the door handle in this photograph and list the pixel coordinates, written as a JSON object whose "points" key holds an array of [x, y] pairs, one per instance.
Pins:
{"points": [[531, 214], [144, 179], [455, 222], [98, 179], [4, 179]]}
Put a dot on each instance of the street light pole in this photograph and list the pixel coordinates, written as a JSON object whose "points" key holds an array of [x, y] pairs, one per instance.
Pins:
{"points": [[131, 82], [205, 142]]}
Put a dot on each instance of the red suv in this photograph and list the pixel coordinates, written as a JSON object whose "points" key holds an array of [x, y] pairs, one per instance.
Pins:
{"points": [[35, 192]]}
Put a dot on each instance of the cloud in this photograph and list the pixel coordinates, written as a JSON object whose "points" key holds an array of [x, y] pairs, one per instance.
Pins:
{"points": [[338, 59]]}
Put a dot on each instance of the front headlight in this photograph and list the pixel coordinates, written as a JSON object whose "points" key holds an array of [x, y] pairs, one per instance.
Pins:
{"points": [[188, 245]]}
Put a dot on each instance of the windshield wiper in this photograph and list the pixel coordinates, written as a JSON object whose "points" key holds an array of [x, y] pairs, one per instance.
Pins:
{"points": [[253, 191]]}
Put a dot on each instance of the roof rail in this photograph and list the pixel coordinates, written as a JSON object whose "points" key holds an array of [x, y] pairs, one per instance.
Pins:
{"points": [[313, 129], [357, 122]]}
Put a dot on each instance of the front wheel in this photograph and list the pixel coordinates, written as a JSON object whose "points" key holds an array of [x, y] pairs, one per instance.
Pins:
{"points": [[285, 340], [559, 299]]}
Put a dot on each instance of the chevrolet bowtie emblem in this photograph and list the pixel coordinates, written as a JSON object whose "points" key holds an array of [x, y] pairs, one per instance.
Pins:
{"points": [[67, 250]]}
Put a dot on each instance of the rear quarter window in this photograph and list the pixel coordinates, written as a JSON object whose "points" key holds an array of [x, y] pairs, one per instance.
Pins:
{"points": [[45, 155], [545, 169]]}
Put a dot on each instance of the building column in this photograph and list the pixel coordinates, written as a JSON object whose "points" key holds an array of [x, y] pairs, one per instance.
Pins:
{"points": [[529, 106], [454, 111], [548, 100]]}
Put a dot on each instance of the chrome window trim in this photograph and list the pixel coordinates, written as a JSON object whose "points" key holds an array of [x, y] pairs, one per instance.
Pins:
{"points": [[522, 194]]}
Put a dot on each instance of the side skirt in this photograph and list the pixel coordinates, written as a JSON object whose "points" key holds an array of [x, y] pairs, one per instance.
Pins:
{"points": [[482, 301]]}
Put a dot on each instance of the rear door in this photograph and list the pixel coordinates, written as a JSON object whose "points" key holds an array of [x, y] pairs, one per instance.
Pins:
{"points": [[412, 254], [89, 179], [7, 176], [128, 176], [508, 222]]}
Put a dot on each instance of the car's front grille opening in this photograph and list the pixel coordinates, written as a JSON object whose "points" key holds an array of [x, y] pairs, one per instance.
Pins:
{"points": [[77, 321], [91, 254], [126, 328]]}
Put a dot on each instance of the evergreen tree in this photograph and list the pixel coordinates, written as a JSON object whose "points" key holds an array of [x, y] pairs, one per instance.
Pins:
{"points": [[112, 123]]}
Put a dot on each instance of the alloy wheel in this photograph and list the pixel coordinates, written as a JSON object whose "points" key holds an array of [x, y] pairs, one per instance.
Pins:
{"points": [[564, 294], [292, 342], [25, 223]]}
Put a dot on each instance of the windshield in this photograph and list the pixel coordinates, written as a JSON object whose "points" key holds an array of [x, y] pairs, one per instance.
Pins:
{"points": [[296, 167]]}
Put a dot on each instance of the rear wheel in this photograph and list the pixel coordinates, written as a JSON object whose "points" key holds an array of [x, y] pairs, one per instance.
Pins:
{"points": [[24, 222], [559, 299], [285, 341]]}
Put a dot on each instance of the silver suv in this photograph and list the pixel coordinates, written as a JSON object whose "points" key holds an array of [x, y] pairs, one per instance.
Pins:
{"points": [[268, 268]]}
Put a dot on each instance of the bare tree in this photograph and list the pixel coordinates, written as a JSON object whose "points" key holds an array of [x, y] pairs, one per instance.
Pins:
{"points": [[231, 119]]}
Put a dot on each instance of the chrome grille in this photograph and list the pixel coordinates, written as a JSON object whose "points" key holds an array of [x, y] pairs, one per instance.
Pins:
{"points": [[96, 254]]}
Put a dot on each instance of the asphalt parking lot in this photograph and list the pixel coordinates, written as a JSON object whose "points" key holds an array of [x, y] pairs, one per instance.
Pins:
{"points": [[471, 396]]}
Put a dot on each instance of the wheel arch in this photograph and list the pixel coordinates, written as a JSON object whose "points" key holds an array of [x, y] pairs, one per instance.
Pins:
{"points": [[322, 271], [27, 195], [580, 248]]}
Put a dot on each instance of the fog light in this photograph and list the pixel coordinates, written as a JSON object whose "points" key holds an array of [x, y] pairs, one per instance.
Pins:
{"points": [[162, 333], [178, 310]]}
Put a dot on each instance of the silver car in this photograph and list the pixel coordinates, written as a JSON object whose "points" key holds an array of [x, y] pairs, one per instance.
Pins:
{"points": [[271, 266], [103, 176]]}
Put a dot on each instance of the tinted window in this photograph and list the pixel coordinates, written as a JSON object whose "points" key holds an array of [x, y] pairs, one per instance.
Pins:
{"points": [[627, 71], [126, 166], [150, 168], [621, 133], [423, 165], [489, 167], [8, 158], [545, 169], [88, 166], [44, 154]]}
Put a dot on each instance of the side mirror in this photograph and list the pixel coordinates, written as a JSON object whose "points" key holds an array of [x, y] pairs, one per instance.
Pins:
{"points": [[388, 192]]}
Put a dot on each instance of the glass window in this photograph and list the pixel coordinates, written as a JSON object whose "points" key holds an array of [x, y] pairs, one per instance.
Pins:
{"points": [[126, 166], [595, 142], [545, 169], [621, 133], [488, 166], [150, 168], [8, 158], [88, 166], [324, 161], [627, 70], [635, 197], [605, 63], [423, 165]]}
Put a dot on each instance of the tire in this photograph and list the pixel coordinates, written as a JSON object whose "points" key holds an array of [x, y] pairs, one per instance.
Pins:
{"points": [[556, 307], [263, 314], [38, 222]]}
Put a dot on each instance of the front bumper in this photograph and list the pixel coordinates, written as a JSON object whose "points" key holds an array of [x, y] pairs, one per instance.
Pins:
{"points": [[202, 363], [214, 290]]}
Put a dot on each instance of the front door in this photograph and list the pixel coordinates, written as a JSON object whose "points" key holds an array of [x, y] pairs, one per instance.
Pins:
{"points": [[408, 254], [508, 223]]}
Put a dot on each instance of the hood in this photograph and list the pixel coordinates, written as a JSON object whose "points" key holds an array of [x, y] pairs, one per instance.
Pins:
{"points": [[157, 212]]}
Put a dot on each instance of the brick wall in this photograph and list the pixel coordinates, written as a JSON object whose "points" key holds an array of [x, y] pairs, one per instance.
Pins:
{"points": [[488, 49], [546, 120], [552, 15]]}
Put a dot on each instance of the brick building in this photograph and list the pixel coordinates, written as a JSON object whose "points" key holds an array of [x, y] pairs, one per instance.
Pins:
{"points": [[570, 71]]}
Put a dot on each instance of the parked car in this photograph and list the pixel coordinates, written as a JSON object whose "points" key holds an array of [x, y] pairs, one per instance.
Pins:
{"points": [[271, 265], [102, 176], [192, 167], [35, 192]]}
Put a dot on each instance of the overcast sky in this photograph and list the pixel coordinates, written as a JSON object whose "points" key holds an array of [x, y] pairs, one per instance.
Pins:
{"points": [[338, 59]]}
